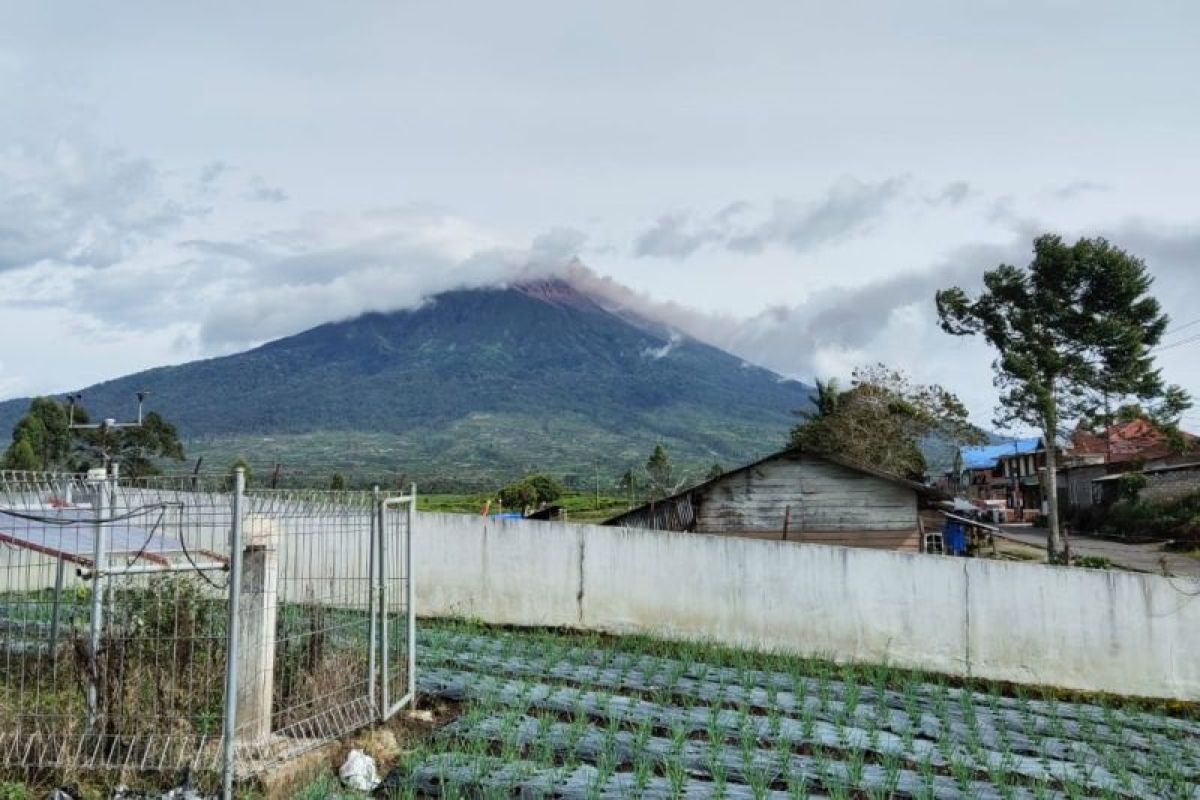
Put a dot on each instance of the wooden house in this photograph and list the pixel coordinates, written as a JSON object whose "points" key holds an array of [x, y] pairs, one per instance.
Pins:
{"points": [[794, 495]]}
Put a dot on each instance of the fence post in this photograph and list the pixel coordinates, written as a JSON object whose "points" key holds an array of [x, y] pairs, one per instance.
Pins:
{"points": [[372, 608], [410, 598], [259, 588], [385, 641], [231, 634], [99, 567]]}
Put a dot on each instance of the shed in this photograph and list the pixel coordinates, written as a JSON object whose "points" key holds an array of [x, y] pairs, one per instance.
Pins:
{"points": [[794, 495]]}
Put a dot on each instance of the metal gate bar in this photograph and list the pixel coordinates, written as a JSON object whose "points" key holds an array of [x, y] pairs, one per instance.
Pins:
{"points": [[409, 502]]}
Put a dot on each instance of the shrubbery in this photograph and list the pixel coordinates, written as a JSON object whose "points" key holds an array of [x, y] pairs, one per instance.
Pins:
{"points": [[1174, 519], [530, 491]]}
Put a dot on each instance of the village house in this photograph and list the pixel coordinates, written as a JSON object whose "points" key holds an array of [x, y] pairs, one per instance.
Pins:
{"points": [[1005, 476], [1022, 464], [795, 495], [1096, 460], [979, 472]]}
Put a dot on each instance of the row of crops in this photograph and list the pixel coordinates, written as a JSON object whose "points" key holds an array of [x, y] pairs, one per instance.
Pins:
{"points": [[543, 714]]}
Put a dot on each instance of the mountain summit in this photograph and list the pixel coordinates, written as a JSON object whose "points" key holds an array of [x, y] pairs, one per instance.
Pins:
{"points": [[495, 381]]}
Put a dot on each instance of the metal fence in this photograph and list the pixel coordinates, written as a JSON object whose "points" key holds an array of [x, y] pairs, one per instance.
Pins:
{"points": [[191, 624]]}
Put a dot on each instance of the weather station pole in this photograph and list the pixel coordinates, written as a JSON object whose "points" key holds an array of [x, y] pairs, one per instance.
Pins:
{"points": [[99, 565], [104, 482]]}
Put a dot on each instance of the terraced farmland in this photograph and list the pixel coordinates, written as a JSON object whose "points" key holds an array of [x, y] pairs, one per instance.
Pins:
{"points": [[543, 714]]}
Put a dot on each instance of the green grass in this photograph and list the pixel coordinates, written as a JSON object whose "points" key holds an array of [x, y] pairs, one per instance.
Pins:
{"points": [[15, 791], [579, 506]]}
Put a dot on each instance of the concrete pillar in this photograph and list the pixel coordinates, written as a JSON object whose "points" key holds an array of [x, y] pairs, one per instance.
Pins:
{"points": [[257, 611]]}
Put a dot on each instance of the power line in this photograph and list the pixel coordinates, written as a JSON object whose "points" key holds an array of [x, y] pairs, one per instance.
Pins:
{"points": [[1179, 343], [1178, 328]]}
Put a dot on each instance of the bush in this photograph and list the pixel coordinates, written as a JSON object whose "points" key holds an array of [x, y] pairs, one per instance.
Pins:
{"points": [[14, 791], [1130, 485], [530, 491], [1174, 519]]}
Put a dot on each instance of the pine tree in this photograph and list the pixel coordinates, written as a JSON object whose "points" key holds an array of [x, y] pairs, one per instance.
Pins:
{"points": [[1075, 329], [658, 467]]}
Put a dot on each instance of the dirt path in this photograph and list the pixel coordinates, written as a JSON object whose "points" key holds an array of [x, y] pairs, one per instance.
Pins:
{"points": [[1144, 557]]}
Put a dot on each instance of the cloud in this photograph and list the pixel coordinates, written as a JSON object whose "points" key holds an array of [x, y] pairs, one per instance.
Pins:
{"points": [[795, 339], [337, 267], [81, 205], [211, 172], [1076, 188], [953, 194], [848, 207], [106, 241], [678, 235], [260, 191], [893, 319]]}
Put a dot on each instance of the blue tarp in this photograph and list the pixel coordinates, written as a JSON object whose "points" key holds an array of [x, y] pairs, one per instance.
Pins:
{"points": [[989, 455], [954, 538]]}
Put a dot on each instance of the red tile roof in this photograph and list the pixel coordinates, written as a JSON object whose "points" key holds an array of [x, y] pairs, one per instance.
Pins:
{"points": [[1127, 441]]}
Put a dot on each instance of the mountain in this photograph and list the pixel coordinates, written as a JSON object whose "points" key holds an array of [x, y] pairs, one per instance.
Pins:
{"points": [[474, 384]]}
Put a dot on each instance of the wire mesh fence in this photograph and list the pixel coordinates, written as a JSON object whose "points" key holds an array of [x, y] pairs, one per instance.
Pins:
{"points": [[183, 623]]}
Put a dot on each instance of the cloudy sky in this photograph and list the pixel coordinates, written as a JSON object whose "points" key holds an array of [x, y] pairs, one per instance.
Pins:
{"points": [[788, 180]]}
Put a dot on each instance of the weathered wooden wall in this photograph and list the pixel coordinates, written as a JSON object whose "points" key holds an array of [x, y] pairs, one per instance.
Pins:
{"points": [[909, 540], [1078, 483], [822, 501]]}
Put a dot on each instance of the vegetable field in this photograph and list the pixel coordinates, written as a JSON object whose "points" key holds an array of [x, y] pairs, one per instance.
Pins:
{"points": [[544, 714]]}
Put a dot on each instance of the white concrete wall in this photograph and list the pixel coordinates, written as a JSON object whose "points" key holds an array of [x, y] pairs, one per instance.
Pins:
{"points": [[1081, 629]]}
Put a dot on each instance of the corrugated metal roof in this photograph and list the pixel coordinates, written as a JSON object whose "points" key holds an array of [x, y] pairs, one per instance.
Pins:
{"points": [[988, 456], [920, 488]]}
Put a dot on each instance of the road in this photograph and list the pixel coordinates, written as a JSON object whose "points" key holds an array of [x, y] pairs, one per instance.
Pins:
{"points": [[1144, 557]]}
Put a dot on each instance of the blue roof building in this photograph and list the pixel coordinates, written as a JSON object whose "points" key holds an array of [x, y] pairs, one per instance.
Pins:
{"points": [[988, 456]]}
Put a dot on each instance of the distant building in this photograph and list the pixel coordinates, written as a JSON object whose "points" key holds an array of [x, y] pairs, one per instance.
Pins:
{"points": [[795, 495], [1003, 477], [1171, 482], [1095, 460], [980, 471], [1021, 467]]}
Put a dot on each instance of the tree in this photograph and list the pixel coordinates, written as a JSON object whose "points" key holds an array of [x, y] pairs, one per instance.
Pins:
{"points": [[338, 482], [57, 446], [137, 448], [240, 463], [715, 471], [658, 468], [882, 420], [1075, 331], [532, 490], [44, 429], [629, 484], [825, 401], [548, 490], [21, 456], [29, 432]]}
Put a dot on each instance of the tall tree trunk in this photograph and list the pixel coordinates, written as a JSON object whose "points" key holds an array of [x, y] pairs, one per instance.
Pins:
{"points": [[1050, 490]]}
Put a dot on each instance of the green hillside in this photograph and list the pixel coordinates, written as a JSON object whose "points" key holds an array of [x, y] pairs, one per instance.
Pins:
{"points": [[473, 386]]}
